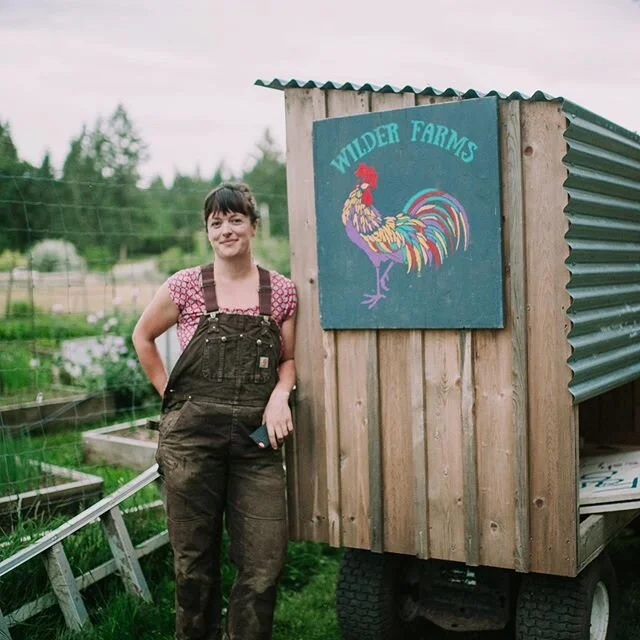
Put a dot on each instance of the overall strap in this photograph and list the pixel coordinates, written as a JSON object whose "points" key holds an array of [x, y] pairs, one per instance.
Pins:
{"points": [[209, 288], [211, 300], [264, 292]]}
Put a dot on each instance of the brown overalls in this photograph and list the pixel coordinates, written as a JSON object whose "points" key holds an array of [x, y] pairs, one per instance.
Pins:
{"points": [[215, 397]]}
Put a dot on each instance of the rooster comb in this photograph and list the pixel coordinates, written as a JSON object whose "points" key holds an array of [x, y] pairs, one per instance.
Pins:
{"points": [[367, 174]]}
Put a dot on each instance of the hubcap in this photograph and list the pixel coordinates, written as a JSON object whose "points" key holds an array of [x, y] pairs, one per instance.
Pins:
{"points": [[600, 608]]}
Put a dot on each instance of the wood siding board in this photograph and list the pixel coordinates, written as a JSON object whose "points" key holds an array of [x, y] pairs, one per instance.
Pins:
{"points": [[499, 358], [443, 417], [443, 434], [553, 467], [469, 451], [333, 436], [514, 203], [396, 364], [355, 406], [306, 452]]}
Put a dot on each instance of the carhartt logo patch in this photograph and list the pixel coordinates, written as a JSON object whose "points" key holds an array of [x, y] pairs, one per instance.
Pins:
{"points": [[264, 362]]}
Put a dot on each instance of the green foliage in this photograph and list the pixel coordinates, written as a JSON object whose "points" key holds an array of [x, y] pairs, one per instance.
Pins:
{"points": [[22, 309], [114, 366], [20, 465], [21, 370], [45, 326], [11, 259], [55, 255], [273, 253]]}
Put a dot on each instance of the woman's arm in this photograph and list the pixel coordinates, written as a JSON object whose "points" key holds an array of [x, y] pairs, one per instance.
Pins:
{"points": [[277, 414], [160, 314]]}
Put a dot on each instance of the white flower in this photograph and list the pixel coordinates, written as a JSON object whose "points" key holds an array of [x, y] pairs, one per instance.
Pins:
{"points": [[131, 363], [57, 308], [92, 318], [100, 314], [34, 362]]}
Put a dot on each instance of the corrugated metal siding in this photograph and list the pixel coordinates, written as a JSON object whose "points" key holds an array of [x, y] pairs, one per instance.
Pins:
{"points": [[603, 183]]}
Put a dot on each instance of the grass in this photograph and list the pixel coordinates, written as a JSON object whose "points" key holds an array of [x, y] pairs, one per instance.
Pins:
{"points": [[305, 608]]}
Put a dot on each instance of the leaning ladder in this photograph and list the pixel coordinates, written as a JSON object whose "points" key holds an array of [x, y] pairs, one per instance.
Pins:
{"points": [[65, 586]]}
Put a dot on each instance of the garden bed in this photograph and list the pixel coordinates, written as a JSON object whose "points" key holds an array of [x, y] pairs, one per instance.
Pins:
{"points": [[128, 444], [68, 491], [50, 415]]}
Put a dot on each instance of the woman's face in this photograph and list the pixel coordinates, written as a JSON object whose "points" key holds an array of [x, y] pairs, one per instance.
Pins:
{"points": [[230, 234]]}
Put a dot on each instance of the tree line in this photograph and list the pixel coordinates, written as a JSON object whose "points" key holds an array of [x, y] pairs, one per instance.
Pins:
{"points": [[96, 201]]}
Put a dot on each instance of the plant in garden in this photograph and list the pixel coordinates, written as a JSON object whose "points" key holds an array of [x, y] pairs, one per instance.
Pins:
{"points": [[112, 364], [55, 255]]}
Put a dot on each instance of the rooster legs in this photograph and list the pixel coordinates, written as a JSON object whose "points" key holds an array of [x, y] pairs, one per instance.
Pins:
{"points": [[385, 277], [372, 299]]}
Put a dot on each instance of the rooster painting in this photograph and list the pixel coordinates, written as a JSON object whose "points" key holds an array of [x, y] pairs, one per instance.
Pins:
{"points": [[431, 226]]}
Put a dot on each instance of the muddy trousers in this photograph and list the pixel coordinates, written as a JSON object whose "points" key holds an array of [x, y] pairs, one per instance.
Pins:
{"points": [[250, 494]]}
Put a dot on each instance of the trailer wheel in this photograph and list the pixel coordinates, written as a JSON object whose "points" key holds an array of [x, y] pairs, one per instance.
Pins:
{"points": [[582, 608], [365, 602]]}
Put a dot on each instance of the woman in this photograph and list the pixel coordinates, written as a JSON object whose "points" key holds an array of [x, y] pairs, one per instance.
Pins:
{"points": [[236, 325]]}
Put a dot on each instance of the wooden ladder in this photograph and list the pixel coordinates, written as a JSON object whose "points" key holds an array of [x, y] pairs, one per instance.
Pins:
{"points": [[65, 586]]}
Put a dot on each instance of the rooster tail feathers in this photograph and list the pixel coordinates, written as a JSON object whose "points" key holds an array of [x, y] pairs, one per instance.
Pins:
{"points": [[445, 219]]}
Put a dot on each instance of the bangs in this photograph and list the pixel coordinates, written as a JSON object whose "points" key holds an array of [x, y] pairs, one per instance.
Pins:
{"points": [[226, 200]]}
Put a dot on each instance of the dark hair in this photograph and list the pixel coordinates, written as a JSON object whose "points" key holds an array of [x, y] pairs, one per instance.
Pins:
{"points": [[230, 197]]}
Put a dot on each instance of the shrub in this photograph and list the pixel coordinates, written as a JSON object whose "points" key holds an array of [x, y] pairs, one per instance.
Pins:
{"points": [[11, 259], [55, 255], [113, 366]]}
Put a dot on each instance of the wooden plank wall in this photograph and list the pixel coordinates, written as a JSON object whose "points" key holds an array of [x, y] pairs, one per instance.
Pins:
{"points": [[441, 444]]}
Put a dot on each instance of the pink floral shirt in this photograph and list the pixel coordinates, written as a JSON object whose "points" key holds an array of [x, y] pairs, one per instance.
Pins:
{"points": [[185, 289]]}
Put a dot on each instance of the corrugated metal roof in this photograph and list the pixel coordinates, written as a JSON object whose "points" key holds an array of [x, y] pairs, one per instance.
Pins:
{"points": [[603, 183], [281, 84]]}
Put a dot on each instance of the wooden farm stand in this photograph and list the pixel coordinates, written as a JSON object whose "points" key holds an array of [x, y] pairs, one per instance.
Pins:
{"points": [[447, 462]]}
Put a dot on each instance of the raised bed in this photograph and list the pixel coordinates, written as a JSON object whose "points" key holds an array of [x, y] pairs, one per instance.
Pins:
{"points": [[128, 444], [57, 413], [70, 490]]}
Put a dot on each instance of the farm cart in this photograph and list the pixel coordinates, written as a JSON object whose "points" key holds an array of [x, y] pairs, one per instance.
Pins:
{"points": [[443, 449]]}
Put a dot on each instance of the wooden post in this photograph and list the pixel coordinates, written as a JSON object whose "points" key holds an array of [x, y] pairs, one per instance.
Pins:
{"points": [[64, 586], [306, 449], [124, 554]]}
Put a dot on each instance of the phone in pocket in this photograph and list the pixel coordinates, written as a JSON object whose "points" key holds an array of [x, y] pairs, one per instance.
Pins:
{"points": [[261, 436]]}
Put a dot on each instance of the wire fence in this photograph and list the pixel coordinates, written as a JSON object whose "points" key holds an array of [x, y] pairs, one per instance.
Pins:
{"points": [[74, 278]]}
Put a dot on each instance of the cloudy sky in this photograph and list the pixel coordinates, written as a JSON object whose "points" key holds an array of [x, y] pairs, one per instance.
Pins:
{"points": [[185, 71]]}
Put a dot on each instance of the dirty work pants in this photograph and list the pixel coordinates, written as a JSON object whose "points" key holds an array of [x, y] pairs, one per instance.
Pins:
{"points": [[202, 485]]}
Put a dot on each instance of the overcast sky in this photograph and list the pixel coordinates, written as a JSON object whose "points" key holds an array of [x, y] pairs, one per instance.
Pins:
{"points": [[185, 70]]}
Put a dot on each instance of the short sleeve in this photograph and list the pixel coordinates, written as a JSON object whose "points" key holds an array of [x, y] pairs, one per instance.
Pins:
{"points": [[182, 285], [290, 300]]}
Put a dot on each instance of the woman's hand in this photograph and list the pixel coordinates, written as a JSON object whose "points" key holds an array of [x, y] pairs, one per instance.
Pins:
{"points": [[277, 417]]}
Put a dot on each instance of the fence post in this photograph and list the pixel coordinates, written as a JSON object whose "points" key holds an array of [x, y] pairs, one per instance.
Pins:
{"points": [[65, 587], [124, 554]]}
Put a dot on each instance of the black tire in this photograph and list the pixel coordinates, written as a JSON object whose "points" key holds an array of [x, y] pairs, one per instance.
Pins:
{"points": [[553, 608], [365, 603]]}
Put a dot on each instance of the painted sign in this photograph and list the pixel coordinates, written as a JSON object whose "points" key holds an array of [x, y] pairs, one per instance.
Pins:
{"points": [[409, 218], [609, 476]]}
